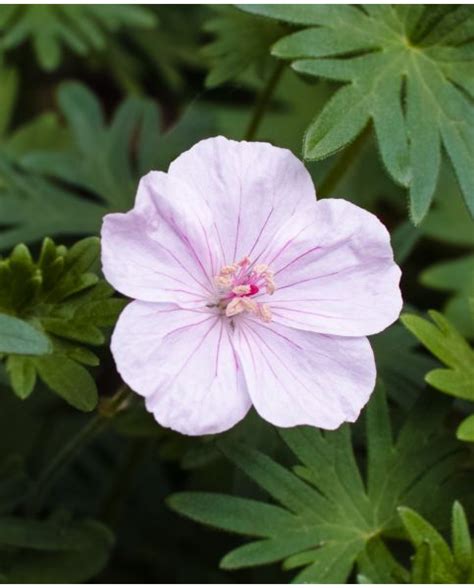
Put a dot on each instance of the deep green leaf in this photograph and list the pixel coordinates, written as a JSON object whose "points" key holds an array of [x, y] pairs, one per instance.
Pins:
{"points": [[403, 78], [241, 40], [330, 516], [54, 552], [68, 379], [79, 28]]}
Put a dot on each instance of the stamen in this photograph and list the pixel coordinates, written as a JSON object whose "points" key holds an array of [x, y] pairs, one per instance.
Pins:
{"points": [[260, 268], [270, 285], [223, 281], [264, 312], [241, 290], [228, 270], [238, 283]]}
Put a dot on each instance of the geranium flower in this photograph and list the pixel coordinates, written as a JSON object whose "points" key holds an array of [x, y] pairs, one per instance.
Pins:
{"points": [[247, 291]]}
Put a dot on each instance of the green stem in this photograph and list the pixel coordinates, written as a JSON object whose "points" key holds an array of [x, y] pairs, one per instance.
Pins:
{"points": [[263, 100], [342, 165], [68, 452]]}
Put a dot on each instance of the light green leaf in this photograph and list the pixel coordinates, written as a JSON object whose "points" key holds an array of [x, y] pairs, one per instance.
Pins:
{"points": [[421, 565], [461, 539], [445, 342], [465, 431], [377, 563], [17, 336], [22, 373], [419, 531], [400, 364], [434, 562]]}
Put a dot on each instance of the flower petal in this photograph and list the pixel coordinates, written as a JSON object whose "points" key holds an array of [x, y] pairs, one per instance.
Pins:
{"points": [[252, 190], [338, 276], [302, 378], [161, 250], [183, 363]]}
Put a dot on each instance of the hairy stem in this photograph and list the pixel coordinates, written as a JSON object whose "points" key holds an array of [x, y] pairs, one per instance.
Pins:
{"points": [[342, 165], [263, 101], [68, 452]]}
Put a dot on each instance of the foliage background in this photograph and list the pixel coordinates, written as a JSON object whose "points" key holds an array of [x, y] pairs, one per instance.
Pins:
{"points": [[93, 97]]}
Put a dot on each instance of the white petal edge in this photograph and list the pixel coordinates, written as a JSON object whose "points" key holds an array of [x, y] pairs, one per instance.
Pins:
{"points": [[251, 189], [184, 364], [338, 276], [160, 251], [301, 378]]}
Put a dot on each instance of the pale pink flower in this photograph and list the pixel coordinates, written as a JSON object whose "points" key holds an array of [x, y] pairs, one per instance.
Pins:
{"points": [[247, 292]]}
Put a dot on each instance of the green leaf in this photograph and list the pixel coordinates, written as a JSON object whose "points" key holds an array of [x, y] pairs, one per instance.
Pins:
{"points": [[397, 74], [434, 562], [105, 160], [238, 515], [448, 220], [22, 373], [17, 336], [420, 531], [400, 364], [465, 431], [445, 342], [54, 551], [377, 563], [461, 539], [326, 514], [241, 40], [457, 277], [80, 28], [68, 306], [33, 207], [68, 379], [421, 565]]}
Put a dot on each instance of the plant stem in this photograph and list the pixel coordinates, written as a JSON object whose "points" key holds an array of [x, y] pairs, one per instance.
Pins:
{"points": [[263, 100], [70, 450], [341, 166]]}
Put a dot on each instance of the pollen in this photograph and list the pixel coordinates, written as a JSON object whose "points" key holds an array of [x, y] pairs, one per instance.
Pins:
{"points": [[238, 286]]}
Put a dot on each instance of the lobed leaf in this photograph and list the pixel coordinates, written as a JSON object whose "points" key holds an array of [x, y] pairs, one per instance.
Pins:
{"points": [[329, 517], [445, 342], [398, 74]]}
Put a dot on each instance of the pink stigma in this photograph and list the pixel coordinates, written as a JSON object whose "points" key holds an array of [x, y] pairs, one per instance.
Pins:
{"points": [[238, 283], [253, 290]]}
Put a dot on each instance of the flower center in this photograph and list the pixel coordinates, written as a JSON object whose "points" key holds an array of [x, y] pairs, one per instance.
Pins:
{"points": [[238, 283]]}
